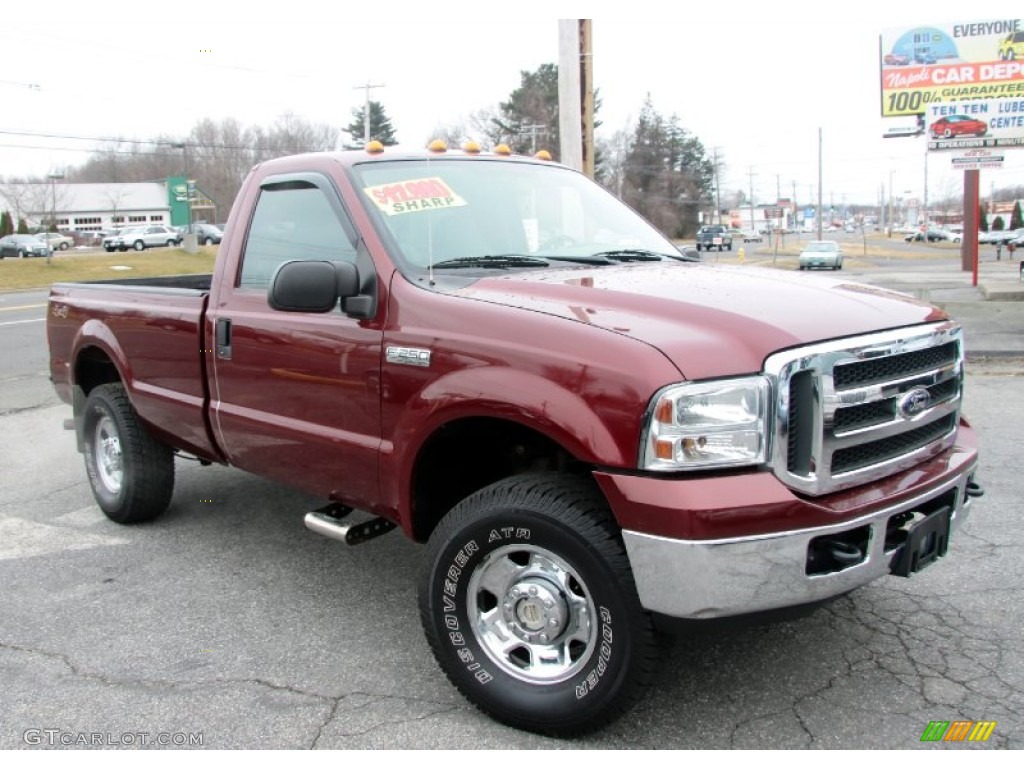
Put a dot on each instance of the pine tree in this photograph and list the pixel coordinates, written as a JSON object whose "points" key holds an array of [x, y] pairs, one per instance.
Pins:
{"points": [[982, 217], [6, 224], [667, 174], [528, 121], [1016, 220], [22, 227], [381, 128]]}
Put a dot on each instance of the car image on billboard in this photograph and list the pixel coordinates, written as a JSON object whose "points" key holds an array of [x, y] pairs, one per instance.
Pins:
{"points": [[957, 125]]}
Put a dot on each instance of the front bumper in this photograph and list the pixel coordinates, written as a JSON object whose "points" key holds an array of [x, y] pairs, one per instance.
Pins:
{"points": [[705, 578]]}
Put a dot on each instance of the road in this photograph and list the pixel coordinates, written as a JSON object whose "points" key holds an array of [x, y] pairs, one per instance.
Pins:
{"points": [[23, 355], [227, 621]]}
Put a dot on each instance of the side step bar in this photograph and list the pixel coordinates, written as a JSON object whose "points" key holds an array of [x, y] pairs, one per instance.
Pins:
{"points": [[327, 522]]}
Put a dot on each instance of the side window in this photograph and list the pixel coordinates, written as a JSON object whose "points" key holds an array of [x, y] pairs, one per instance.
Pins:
{"points": [[292, 221]]}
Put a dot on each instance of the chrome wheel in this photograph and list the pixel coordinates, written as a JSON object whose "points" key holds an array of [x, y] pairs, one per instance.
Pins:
{"points": [[109, 459], [532, 614]]}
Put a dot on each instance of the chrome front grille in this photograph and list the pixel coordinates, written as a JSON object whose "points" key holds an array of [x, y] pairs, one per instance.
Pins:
{"points": [[852, 411]]}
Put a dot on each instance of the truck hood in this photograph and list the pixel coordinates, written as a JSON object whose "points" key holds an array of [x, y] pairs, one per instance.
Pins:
{"points": [[708, 320]]}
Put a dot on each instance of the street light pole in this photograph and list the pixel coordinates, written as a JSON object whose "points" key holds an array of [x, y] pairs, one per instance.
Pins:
{"points": [[53, 177]]}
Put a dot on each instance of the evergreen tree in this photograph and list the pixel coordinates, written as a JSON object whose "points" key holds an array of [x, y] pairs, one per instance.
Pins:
{"points": [[667, 174], [528, 121], [1016, 220], [982, 217], [381, 128], [22, 227], [6, 224]]}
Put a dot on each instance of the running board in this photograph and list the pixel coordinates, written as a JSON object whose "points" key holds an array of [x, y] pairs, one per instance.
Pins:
{"points": [[330, 526]]}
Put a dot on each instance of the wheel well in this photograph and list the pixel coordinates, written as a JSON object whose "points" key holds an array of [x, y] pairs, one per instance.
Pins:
{"points": [[93, 368], [466, 455]]}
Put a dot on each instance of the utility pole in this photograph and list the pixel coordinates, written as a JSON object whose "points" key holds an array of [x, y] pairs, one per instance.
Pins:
{"points": [[718, 189], [924, 218], [890, 204], [818, 217], [366, 108], [587, 93], [533, 130], [750, 174]]}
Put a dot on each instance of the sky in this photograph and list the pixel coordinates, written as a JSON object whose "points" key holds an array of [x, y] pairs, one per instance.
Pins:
{"points": [[754, 81]]}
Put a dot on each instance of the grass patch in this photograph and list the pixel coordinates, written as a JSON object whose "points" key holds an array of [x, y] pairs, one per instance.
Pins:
{"points": [[16, 274]]}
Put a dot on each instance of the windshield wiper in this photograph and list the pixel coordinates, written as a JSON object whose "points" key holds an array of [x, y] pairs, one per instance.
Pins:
{"points": [[495, 261], [631, 254]]}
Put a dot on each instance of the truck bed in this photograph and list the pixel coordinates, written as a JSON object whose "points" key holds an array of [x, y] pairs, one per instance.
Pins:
{"points": [[152, 330]]}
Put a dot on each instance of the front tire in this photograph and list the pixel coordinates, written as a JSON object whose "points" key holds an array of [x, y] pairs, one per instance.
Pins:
{"points": [[131, 473], [208, 241], [530, 608], [63, 246], [138, 245]]}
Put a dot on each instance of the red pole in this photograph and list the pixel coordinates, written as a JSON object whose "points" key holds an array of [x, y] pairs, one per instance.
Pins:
{"points": [[969, 243]]}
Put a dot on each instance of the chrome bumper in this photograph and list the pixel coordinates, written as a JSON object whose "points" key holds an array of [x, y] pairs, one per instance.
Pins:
{"points": [[728, 577]]}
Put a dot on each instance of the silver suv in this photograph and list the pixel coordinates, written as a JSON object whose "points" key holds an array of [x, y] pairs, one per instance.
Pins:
{"points": [[142, 237]]}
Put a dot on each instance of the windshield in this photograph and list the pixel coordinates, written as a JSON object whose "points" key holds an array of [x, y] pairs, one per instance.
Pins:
{"points": [[822, 246], [463, 210]]}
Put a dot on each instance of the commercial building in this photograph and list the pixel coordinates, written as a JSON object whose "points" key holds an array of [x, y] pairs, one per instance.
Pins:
{"points": [[101, 206]]}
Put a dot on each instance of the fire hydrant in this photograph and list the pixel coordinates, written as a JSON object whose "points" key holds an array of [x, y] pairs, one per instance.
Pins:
{"points": [[741, 253]]}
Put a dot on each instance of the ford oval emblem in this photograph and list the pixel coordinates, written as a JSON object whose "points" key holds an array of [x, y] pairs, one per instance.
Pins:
{"points": [[914, 402]]}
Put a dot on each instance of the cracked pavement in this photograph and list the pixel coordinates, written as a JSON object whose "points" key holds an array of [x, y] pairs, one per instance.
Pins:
{"points": [[231, 620]]}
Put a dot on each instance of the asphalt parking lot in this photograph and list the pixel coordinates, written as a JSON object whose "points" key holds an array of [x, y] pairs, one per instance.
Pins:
{"points": [[226, 624]]}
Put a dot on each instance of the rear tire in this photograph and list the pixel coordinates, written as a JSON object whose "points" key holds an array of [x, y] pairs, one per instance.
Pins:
{"points": [[131, 473], [63, 246], [529, 605]]}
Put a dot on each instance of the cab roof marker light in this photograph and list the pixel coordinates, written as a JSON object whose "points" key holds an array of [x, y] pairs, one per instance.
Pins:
{"points": [[471, 148], [543, 155], [437, 145], [503, 149], [374, 147]]}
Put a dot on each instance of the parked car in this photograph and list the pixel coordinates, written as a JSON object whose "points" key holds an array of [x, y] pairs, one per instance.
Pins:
{"points": [[111, 239], [931, 235], [957, 125], [56, 240], [208, 234], [142, 237], [895, 60], [821, 253], [1006, 236], [22, 246], [88, 238]]}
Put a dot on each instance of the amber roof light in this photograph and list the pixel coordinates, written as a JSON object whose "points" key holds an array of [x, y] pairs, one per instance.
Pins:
{"points": [[374, 147], [437, 145]]}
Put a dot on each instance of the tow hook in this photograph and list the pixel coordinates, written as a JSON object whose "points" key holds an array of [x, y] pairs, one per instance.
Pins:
{"points": [[845, 553]]}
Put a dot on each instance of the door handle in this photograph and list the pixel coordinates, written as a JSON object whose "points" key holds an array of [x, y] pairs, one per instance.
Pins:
{"points": [[223, 338]]}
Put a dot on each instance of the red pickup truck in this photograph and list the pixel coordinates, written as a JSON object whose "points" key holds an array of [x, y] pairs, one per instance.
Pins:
{"points": [[596, 437]]}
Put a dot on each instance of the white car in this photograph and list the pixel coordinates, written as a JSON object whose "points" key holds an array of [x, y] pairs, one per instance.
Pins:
{"points": [[56, 240], [142, 237], [821, 253]]}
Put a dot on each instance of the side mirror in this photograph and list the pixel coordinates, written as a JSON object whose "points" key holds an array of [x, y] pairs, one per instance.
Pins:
{"points": [[312, 286]]}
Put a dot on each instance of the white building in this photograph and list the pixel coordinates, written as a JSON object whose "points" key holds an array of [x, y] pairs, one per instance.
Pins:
{"points": [[87, 207]]}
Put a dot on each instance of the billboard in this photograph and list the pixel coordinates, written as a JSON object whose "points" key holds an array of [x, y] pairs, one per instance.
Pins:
{"points": [[955, 62], [975, 124]]}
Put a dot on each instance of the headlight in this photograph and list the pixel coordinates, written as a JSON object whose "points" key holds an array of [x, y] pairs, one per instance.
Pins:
{"points": [[707, 424]]}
